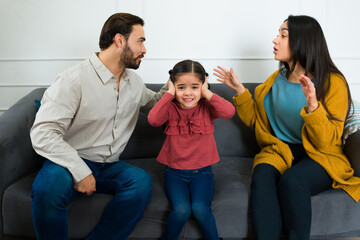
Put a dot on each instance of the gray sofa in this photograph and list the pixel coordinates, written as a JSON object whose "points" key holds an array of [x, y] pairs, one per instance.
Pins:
{"points": [[335, 214]]}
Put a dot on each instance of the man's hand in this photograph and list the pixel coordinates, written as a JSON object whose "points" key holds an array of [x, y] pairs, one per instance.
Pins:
{"points": [[87, 185]]}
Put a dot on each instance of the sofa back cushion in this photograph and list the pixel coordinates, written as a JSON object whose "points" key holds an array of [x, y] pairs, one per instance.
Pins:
{"points": [[232, 137]]}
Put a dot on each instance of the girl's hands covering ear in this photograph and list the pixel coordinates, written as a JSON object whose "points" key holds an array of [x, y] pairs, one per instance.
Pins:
{"points": [[171, 88], [309, 92], [205, 92], [230, 79]]}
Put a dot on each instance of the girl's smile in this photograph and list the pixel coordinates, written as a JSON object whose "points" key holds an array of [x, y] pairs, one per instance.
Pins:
{"points": [[188, 90]]}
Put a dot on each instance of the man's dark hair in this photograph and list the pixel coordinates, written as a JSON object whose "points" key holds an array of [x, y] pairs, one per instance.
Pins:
{"points": [[118, 23]]}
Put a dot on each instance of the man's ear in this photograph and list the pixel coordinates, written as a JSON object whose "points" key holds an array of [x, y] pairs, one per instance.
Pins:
{"points": [[119, 40]]}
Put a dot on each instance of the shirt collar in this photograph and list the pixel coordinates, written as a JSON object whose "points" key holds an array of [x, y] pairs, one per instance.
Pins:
{"points": [[104, 74], [125, 75]]}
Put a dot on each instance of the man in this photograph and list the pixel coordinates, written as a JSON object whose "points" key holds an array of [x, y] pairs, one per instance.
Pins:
{"points": [[84, 123]]}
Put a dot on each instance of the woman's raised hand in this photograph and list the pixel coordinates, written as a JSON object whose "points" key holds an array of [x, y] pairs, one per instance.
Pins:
{"points": [[309, 92], [230, 79]]}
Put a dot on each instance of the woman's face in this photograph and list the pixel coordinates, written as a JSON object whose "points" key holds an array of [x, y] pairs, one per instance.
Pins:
{"points": [[281, 45]]}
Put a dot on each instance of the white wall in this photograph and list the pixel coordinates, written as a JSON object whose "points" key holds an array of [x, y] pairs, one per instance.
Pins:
{"points": [[41, 38]]}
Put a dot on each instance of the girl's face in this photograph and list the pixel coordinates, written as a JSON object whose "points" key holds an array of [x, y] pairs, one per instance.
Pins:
{"points": [[281, 44], [188, 90]]}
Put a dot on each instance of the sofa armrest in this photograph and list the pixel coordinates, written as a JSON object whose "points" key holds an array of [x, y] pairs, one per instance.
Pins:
{"points": [[352, 151], [17, 157]]}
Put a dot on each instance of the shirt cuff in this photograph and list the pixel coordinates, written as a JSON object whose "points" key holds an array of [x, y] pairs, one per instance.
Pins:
{"points": [[315, 117], [214, 97], [80, 171], [240, 99], [168, 96]]}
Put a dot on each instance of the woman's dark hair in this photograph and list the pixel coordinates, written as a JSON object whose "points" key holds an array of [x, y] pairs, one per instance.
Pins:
{"points": [[188, 66], [117, 23], [308, 48]]}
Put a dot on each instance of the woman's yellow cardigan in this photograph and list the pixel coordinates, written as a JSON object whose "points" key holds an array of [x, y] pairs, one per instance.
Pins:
{"points": [[322, 137]]}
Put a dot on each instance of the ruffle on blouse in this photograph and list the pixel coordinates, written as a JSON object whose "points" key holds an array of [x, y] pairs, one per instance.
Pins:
{"points": [[187, 127]]}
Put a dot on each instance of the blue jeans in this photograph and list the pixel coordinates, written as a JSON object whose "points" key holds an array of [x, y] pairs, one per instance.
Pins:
{"points": [[53, 190], [190, 191]]}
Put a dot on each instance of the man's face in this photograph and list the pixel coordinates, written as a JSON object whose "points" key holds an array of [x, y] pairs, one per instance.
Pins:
{"points": [[134, 49]]}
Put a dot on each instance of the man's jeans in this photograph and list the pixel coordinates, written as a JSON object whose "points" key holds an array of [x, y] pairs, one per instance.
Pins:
{"points": [[53, 190]]}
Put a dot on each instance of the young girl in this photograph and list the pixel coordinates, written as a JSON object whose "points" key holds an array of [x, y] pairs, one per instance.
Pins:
{"points": [[189, 149], [298, 116]]}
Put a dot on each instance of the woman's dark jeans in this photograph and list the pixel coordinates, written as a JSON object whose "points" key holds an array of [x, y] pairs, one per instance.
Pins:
{"points": [[278, 201]]}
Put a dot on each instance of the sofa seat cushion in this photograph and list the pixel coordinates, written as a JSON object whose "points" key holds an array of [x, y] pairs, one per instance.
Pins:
{"points": [[229, 206], [84, 213], [230, 199]]}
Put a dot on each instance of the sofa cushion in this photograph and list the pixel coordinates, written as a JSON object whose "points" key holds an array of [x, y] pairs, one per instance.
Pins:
{"points": [[229, 206], [230, 203], [230, 199], [242, 142]]}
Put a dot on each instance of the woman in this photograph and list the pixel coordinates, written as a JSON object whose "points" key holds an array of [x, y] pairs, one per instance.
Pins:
{"points": [[298, 115]]}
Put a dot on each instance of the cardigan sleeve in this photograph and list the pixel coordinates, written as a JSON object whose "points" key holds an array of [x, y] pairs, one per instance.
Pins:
{"points": [[245, 107], [319, 128], [159, 114]]}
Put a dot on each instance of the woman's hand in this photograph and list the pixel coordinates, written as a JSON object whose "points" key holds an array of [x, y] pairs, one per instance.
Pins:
{"points": [[309, 92], [171, 87], [205, 92], [230, 79]]}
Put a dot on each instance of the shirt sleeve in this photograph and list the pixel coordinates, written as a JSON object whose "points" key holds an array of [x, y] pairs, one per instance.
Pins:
{"points": [[150, 98], [58, 107], [220, 108], [160, 112]]}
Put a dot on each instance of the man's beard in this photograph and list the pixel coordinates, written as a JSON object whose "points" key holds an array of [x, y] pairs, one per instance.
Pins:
{"points": [[127, 60]]}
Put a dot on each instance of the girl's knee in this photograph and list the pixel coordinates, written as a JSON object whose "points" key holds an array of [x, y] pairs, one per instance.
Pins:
{"points": [[200, 210], [182, 212]]}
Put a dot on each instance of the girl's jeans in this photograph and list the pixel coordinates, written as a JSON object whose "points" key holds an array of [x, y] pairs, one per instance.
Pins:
{"points": [[190, 191], [53, 190]]}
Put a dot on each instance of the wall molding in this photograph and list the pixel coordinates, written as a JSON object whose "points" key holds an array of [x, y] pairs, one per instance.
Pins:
{"points": [[157, 59], [23, 85], [146, 58]]}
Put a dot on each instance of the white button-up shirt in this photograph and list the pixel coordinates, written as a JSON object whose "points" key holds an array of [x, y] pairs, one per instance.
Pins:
{"points": [[82, 115]]}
